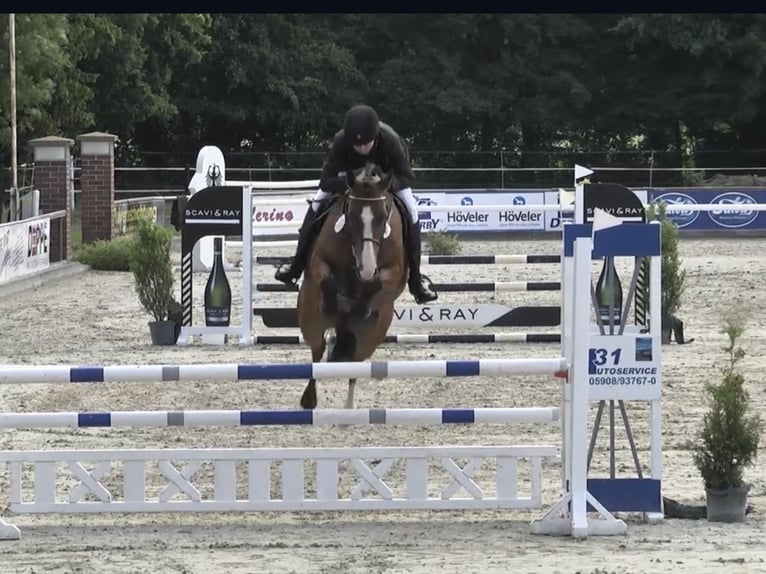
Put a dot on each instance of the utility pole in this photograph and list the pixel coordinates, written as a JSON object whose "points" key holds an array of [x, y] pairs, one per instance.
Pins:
{"points": [[14, 162]]}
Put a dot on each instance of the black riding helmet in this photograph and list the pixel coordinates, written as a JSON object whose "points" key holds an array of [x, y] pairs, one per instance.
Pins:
{"points": [[361, 125]]}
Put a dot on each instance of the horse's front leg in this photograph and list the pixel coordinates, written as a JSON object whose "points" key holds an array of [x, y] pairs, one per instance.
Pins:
{"points": [[320, 273], [329, 289], [388, 284], [392, 281], [365, 292], [309, 396]]}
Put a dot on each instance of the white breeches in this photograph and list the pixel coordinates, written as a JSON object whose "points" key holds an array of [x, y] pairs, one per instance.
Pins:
{"points": [[409, 200], [318, 197]]}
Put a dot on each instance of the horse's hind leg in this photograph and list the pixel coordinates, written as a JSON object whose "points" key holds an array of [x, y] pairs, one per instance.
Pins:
{"points": [[344, 351], [350, 394], [345, 346]]}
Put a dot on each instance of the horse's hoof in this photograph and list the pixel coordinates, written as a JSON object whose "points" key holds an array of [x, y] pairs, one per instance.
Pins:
{"points": [[308, 403], [309, 397]]}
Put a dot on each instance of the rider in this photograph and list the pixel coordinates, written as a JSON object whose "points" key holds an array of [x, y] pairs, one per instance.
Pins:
{"points": [[363, 138]]}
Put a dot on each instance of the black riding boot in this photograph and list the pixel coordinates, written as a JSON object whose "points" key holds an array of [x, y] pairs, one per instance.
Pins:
{"points": [[289, 273], [420, 285]]}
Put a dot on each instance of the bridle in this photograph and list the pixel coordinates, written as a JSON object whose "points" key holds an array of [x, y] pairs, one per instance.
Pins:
{"points": [[389, 211]]}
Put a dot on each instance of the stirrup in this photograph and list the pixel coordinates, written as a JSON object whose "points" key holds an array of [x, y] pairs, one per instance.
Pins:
{"points": [[424, 296], [286, 275]]}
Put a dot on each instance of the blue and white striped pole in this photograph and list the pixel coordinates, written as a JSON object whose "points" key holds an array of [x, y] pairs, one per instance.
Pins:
{"points": [[276, 371], [322, 417]]}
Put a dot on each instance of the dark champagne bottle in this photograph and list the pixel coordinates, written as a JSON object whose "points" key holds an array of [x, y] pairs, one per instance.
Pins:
{"points": [[217, 291], [609, 293]]}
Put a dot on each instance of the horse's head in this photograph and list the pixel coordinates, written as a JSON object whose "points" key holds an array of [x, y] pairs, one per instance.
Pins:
{"points": [[368, 209]]}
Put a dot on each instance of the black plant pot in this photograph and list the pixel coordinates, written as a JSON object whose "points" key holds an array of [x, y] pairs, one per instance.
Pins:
{"points": [[727, 505], [163, 332]]}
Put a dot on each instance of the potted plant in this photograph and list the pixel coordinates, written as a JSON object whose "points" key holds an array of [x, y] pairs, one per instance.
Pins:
{"points": [[729, 436], [153, 273], [672, 275]]}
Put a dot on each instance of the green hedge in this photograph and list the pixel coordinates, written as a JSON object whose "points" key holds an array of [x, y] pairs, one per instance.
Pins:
{"points": [[103, 255]]}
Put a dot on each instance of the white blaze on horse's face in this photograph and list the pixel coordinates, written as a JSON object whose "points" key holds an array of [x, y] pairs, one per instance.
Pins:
{"points": [[367, 219], [368, 262]]}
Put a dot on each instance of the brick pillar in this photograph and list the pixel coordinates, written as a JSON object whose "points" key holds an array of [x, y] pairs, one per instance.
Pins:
{"points": [[96, 185], [52, 178]]}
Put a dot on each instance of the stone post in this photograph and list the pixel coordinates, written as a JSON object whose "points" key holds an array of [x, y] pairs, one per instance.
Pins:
{"points": [[96, 185], [52, 157]]}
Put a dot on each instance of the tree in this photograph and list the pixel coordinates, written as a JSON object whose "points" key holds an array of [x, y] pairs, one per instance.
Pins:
{"points": [[43, 67]]}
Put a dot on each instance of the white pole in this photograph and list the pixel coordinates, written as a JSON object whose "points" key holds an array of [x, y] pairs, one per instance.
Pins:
{"points": [[578, 380], [12, 68], [247, 267], [655, 406]]}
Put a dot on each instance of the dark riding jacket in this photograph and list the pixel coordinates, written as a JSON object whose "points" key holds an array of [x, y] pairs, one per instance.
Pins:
{"points": [[389, 152]]}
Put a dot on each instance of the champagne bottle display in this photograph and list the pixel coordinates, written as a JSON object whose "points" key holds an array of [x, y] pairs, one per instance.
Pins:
{"points": [[217, 291], [609, 293]]}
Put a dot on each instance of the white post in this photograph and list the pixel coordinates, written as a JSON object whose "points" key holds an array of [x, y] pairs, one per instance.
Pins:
{"points": [[16, 199], [247, 338], [566, 351], [578, 383], [573, 504], [567, 319], [655, 406], [210, 169]]}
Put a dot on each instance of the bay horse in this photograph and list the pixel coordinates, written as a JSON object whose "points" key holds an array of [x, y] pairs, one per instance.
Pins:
{"points": [[356, 271]]}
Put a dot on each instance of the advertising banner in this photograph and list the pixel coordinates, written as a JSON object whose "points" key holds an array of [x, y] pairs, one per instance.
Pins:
{"points": [[278, 219], [553, 219], [128, 211], [24, 248], [286, 219], [432, 205], [432, 218], [429, 218], [733, 214], [613, 198], [623, 367]]}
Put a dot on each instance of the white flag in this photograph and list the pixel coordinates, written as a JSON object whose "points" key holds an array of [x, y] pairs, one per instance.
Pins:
{"points": [[581, 172], [603, 220]]}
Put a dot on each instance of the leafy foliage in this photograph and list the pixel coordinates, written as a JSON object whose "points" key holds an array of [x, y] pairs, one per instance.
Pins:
{"points": [[730, 433], [441, 243], [103, 255], [152, 269], [526, 83], [673, 276]]}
